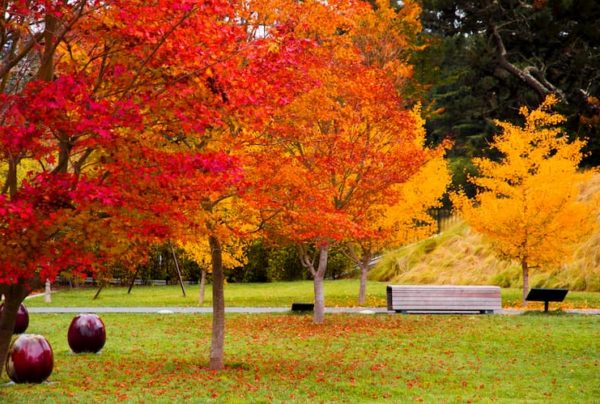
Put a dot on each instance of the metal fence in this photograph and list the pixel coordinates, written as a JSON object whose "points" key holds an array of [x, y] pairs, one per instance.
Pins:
{"points": [[445, 218]]}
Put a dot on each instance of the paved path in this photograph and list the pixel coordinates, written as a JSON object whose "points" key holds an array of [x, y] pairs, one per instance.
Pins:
{"points": [[246, 310], [202, 310]]}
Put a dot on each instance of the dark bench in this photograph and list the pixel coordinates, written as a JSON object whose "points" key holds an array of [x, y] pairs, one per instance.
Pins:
{"points": [[443, 298], [546, 295], [303, 306]]}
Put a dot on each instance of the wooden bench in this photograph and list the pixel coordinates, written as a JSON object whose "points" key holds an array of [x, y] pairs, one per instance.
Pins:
{"points": [[443, 298]]}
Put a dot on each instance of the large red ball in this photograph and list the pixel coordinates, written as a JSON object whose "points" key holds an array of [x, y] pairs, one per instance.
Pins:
{"points": [[86, 333], [22, 320], [30, 359]]}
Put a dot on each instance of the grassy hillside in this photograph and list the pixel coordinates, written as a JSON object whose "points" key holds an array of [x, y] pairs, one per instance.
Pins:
{"points": [[460, 256]]}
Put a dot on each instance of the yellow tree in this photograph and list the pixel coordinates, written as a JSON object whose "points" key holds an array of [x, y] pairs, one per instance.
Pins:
{"points": [[528, 203]]}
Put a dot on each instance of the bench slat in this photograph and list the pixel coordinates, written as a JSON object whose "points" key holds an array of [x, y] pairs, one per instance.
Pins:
{"points": [[443, 295], [468, 300], [445, 307]]}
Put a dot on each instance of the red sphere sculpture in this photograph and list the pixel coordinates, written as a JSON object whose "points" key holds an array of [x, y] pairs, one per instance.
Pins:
{"points": [[22, 320], [30, 359], [86, 333]]}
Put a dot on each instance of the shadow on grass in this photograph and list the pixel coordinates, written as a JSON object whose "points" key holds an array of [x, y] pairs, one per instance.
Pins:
{"points": [[237, 366], [557, 312]]}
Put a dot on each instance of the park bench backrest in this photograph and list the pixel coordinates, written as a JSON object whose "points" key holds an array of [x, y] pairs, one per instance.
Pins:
{"points": [[440, 298]]}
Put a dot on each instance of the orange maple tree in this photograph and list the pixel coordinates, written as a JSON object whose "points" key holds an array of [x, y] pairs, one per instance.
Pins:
{"points": [[342, 146]]}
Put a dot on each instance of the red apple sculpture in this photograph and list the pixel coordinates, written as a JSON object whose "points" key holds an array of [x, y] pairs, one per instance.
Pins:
{"points": [[30, 359], [86, 333], [22, 320]]}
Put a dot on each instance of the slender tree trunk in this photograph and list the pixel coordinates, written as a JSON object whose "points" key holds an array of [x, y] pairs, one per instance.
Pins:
{"points": [[202, 286], [362, 261], [11, 179], [47, 292], [319, 313], [137, 270], [99, 290], [177, 268], [362, 290], [525, 268], [13, 297], [218, 325]]}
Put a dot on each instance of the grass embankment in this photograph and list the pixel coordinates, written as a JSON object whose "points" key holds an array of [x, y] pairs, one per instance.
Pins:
{"points": [[459, 256], [351, 358], [340, 293]]}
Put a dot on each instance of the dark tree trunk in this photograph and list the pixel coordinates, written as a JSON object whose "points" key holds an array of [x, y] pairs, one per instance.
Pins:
{"points": [[137, 270], [177, 268], [99, 290], [218, 325], [525, 268], [11, 179], [13, 297], [46, 70]]}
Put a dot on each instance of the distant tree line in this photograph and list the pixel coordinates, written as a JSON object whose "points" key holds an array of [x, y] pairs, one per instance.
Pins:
{"points": [[264, 263]]}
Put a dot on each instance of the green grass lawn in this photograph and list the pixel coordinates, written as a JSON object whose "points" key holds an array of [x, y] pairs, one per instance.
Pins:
{"points": [[276, 294], [351, 358], [342, 293]]}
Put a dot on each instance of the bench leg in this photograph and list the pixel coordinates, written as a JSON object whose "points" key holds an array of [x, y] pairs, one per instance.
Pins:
{"points": [[546, 307]]}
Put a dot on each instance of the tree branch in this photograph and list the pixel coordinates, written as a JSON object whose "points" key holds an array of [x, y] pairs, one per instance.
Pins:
{"points": [[543, 87], [306, 262], [160, 43]]}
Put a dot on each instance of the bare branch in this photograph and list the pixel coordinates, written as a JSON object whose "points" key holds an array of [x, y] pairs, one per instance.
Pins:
{"points": [[542, 87], [306, 262]]}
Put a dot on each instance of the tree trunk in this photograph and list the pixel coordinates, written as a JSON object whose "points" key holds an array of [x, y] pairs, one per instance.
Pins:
{"points": [[525, 281], [47, 292], [46, 70], [218, 325], [99, 290], [13, 297], [177, 268], [319, 312], [202, 287], [11, 179], [362, 290], [133, 280]]}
